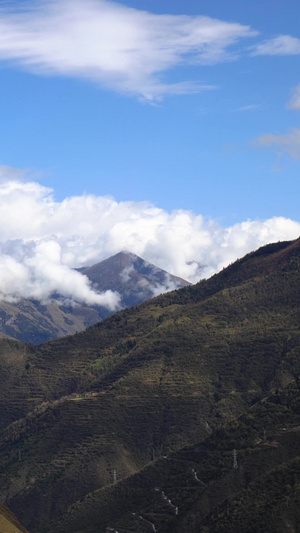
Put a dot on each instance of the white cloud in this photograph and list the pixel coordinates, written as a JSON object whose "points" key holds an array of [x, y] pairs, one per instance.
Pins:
{"points": [[167, 286], [117, 46], [294, 103], [288, 143], [250, 107], [41, 240], [278, 46], [34, 270]]}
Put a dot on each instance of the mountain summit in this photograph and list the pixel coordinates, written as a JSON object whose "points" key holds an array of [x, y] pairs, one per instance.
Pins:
{"points": [[132, 277]]}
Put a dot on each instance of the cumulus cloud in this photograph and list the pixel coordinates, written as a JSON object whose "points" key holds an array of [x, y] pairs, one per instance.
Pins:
{"points": [[120, 47], [294, 103], [288, 143], [36, 271], [42, 240], [49, 275], [282, 45]]}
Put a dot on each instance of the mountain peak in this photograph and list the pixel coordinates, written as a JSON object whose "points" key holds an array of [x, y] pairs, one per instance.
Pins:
{"points": [[133, 277]]}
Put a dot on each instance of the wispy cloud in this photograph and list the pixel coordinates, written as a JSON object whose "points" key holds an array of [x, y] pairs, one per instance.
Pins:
{"points": [[119, 47], [39, 249], [288, 143], [249, 107], [278, 46], [21, 174], [294, 102]]}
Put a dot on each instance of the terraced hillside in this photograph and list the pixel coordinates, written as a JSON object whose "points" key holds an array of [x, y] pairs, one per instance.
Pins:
{"points": [[86, 411], [244, 477]]}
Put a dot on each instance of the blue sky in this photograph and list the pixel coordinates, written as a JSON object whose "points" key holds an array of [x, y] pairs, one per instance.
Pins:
{"points": [[172, 105]]}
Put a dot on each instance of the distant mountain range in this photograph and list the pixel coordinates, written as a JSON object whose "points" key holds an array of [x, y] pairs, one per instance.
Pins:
{"points": [[178, 415], [133, 278]]}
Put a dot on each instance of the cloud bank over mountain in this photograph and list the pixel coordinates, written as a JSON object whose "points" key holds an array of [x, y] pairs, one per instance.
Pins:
{"points": [[42, 240]]}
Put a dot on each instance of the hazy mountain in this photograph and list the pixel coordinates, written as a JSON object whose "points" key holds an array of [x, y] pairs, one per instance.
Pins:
{"points": [[134, 279], [35, 322], [82, 412]]}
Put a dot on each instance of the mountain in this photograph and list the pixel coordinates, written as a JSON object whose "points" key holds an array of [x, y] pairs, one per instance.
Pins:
{"points": [[132, 277], [135, 280], [84, 417]]}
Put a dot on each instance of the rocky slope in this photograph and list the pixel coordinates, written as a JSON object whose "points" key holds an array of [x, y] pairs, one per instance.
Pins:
{"points": [[133, 278]]}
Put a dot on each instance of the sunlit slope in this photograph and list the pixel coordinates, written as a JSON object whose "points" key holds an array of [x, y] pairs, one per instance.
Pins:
{"points": [[150, 380], [9, 523]]}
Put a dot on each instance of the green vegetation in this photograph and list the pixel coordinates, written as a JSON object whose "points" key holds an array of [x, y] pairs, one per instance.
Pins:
{"points": [[171, 377]]}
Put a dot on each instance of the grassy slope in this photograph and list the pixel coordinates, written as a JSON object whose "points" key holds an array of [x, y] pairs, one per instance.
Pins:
{"points": [[164, 375]]}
